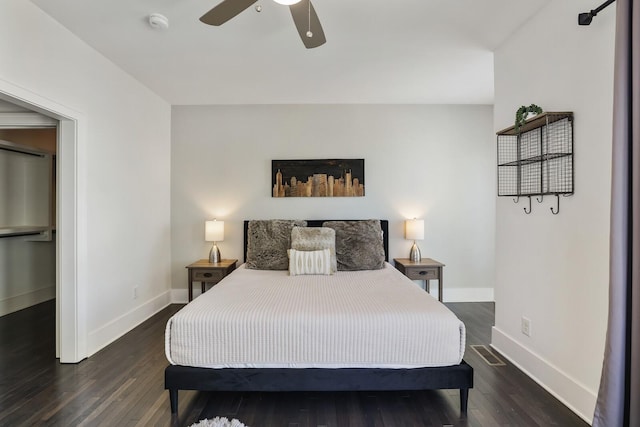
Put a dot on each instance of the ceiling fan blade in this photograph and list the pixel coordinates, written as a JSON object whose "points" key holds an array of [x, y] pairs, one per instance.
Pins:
{"points": [[306, 19], [225, 11]]}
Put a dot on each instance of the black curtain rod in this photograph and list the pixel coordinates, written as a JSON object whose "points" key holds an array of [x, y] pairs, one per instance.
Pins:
{"points": [[587, 17]]}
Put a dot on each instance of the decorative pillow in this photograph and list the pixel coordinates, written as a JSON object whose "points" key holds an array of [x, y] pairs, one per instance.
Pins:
{"points": [[313, 239], [359, 244], [309, 262], [267, 243]]}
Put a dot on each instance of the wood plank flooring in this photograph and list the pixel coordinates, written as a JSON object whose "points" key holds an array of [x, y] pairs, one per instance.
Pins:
{"points": [[122, 385]]}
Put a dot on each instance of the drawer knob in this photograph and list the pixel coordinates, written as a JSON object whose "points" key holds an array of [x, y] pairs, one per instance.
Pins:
{"points": [[422, 273], [207, 274]]}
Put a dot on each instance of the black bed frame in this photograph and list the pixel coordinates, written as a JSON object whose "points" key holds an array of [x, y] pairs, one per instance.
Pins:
{"points": [[314, 379]]}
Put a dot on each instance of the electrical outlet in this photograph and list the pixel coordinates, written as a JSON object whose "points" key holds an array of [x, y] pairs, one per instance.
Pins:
{"points": [[526, 326], [135, 292]]}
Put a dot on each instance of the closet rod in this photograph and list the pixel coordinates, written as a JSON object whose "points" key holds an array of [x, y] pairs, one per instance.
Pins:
{"points": [[587, 17], [21, 151]]}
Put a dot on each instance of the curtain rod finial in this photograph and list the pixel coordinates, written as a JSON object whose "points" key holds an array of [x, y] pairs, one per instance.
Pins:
{"points": [[585, 18]]}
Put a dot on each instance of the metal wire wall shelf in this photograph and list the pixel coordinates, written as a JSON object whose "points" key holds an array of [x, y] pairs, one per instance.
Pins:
{"points": [[537, 159]]}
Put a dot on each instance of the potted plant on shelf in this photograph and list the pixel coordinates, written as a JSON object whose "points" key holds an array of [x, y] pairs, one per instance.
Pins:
{"points": [[524, 113]]}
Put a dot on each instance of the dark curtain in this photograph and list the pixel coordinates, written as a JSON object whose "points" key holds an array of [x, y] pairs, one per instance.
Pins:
{"points": [[618, 403]]}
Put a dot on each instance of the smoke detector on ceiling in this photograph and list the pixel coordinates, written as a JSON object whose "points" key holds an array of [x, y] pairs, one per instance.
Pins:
{"points": [[158, 21]]}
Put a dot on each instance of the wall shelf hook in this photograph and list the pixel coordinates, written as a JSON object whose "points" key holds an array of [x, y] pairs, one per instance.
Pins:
{"points": [[525, 209], [557, 211], [516, 200], [540, 199]]}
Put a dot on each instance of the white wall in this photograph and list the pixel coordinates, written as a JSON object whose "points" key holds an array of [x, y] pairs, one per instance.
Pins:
{"points": [[553, 269], [431, 162], [123, 166]]}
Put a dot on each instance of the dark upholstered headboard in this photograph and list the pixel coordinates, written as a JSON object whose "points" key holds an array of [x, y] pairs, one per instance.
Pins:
{"points": [[384, 225]]}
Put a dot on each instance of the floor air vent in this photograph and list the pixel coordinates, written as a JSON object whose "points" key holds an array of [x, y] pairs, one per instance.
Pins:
{"points": [[487, 355]]}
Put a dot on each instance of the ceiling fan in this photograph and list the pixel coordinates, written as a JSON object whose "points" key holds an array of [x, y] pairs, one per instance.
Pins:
{"points": [[302, 11]]}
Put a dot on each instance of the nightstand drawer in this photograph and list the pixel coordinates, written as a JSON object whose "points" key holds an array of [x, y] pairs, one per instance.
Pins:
{"points": [[426, 269], [208, 275], [205, 272], [421, 273]]}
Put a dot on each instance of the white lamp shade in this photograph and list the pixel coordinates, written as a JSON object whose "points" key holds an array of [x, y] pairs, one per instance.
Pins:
{"points": [[414, 229], [214, 231], [287, 2]]}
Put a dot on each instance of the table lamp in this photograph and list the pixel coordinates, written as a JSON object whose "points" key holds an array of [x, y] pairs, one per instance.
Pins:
{"points": [[414, 230], [214, 232]]}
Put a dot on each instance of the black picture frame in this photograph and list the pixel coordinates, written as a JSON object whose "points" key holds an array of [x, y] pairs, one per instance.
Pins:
{"points": [[317, 178]]}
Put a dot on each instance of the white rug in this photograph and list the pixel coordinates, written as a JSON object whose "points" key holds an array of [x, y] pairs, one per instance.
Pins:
{"points": [[219, 422]]}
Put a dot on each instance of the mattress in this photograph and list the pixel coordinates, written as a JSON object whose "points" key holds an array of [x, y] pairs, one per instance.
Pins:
{"points": [[352, 319]]}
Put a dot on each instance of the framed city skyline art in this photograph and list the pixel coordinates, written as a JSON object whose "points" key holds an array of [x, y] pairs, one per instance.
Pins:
{"points": [[317, 178]]}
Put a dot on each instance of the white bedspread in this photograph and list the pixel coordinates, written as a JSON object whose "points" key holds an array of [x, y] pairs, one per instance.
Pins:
{"points": [[363, 319]]}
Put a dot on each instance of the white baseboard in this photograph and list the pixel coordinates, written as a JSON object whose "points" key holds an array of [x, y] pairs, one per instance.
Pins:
{"points": [[105, 335], [27, 299], [458, 294], [181, 296], [464, 294], [563, 387]]}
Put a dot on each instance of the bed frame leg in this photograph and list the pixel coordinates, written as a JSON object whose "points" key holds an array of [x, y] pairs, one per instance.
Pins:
{"points": [[464, 399], [173, 400]]}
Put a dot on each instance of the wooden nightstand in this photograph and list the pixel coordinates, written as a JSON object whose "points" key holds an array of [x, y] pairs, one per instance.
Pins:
{"points": [[425, 269], [205, 272]]}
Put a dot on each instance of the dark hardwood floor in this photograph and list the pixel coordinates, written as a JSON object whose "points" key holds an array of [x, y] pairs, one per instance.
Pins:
{"points": [[122, 385]]}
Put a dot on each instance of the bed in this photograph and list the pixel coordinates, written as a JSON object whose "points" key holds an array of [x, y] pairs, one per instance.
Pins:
{"points": [[271, 330]]}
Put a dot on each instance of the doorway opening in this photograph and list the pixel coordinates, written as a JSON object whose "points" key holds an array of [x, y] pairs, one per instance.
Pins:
{"points": [[67, 197]]}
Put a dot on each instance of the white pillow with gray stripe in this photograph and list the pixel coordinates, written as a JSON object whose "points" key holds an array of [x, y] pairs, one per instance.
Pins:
{"points": [[309, 262]]}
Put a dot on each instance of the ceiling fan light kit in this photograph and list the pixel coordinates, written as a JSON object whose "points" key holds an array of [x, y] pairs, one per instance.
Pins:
{"points": [[158, 21], [302, 11], [287, 2]]}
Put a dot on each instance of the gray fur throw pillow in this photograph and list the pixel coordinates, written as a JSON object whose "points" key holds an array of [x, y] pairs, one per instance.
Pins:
{"points": [[267, 243], [359, 244]]}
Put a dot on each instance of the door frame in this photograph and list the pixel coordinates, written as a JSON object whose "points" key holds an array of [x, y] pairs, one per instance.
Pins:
{"points": [[71, 230]]}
